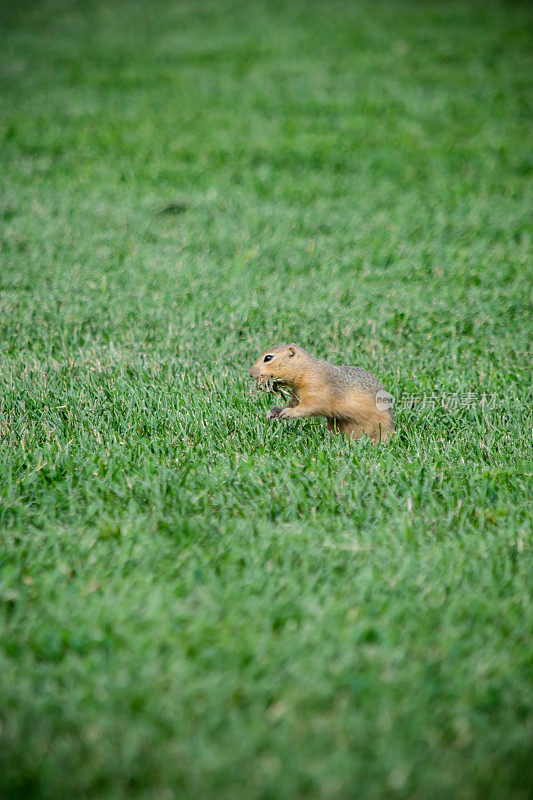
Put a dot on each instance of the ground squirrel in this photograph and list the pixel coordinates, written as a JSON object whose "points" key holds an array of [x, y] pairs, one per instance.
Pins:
{"points": [[351, 399]]}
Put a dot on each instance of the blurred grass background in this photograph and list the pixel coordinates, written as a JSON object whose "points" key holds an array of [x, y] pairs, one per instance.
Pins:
{"points": [[194, 603]]}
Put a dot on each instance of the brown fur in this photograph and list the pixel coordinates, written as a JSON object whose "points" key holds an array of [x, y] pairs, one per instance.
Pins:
{"points": [[346, 396]]}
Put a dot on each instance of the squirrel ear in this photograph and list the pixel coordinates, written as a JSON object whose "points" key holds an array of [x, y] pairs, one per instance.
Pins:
{"points": [[292, 351]]}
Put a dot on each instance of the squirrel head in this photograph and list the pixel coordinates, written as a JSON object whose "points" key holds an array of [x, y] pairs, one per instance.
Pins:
{"points": [[281, 363]]}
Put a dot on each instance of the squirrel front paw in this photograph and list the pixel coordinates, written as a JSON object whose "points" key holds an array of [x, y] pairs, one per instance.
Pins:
{"points": [[274, 413]]}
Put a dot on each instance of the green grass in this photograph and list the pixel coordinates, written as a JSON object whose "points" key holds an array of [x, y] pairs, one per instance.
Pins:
{"points": [[195, 603]]}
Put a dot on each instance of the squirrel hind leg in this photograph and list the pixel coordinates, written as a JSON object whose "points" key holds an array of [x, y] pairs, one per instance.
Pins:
{"points": [[355, 430], [351, 429], [344, 427]]}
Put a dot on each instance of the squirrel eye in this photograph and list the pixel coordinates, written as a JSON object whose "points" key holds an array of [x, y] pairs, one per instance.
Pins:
{"points": [[268, 358]]}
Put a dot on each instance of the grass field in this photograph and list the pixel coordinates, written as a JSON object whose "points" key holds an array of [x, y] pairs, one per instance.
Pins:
{"points": [[195, 603]]}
